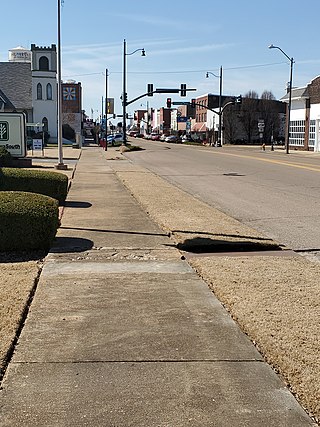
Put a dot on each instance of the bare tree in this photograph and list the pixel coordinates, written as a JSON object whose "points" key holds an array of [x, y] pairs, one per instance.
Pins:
{"points": [[267, 94], [248, 114], [270, 114], [232, 127]]}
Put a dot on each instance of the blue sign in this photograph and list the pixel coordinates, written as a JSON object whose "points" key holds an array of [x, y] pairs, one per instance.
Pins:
{"points": [[182, 119]]}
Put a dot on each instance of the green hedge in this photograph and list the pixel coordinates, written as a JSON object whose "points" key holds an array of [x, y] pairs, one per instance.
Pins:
{"points": [[27, 221], [5, 157], [52, 184]]}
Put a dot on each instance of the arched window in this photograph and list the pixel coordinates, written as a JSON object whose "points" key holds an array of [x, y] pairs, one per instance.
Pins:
{"points": [[49, 91], [45, 124], [44, 63], [39, 91]]}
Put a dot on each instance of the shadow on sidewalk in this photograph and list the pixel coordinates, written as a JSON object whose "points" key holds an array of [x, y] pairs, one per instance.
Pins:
{"points": [[71, 244], [208, 245], [76, 204], [115, 231]]}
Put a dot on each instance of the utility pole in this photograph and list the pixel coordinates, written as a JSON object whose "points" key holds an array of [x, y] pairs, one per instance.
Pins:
{"points": [[219, 142], [124, 94], [106, 108]]}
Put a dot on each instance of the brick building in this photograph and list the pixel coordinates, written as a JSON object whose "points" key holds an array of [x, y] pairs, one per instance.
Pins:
{"points": [[72, 105]]}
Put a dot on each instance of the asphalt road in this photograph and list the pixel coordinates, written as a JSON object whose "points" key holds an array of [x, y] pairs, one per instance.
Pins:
{"points": [[273, 192]]}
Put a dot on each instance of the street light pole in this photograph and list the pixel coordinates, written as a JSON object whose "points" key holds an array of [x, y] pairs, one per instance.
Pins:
{"points": [[60, 164], [124, 89], [290, 94], [106, 110], [124, 95], [220, 104]]}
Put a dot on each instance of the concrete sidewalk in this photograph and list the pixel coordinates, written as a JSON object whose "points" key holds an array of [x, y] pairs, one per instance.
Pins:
{"points": [[122, 332]]}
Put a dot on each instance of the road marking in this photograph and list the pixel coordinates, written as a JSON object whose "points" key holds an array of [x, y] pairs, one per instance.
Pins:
{"points": [[294, 165]]}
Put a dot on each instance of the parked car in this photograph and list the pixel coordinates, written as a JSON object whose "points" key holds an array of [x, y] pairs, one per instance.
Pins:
{"points": [[172, 138], [186, 138], [113, 139], [155, 137], [133, 133], [163, 137]]}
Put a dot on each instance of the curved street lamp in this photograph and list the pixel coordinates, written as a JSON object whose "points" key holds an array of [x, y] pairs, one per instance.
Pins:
{"points": [[220, 104], [290, 94], [124, 91]]}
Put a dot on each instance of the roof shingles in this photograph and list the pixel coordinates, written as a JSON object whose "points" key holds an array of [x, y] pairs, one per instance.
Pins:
{"points": [[16, 84]]}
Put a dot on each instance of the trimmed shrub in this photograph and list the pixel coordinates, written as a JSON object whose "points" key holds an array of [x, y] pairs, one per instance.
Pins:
{"points": [[52, 184], [5, 157], [27, 221]]}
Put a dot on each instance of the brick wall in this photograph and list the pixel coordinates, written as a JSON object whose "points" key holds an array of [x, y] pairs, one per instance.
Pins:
{"points": [[314, 91]]}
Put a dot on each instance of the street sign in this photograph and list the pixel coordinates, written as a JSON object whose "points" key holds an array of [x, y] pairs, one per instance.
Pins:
{"points": [[182, 119], [181, 103], [261, 125], [37, 144]]}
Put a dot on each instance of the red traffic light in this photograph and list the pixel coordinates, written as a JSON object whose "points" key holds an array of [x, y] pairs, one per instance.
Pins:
{"points": [[193, 103], [168, 102]]}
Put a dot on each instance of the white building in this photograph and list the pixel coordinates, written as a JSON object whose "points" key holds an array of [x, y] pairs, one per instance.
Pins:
{"points": [[305, 116], [44, 88], [28, 83]]}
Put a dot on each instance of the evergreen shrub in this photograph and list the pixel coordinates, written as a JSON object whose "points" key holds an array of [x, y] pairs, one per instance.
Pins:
{"points": [[52, 184], [28, 221], [5, 157]]}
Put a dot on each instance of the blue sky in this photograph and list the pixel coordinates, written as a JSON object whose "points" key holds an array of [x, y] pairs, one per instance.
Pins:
{"points": [[182, 41]]}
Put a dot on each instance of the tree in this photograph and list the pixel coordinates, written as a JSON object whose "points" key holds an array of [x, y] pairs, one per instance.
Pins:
{"points": [[270, 114], [252, 94], [232, 127], [267, 94], [248, 115]]}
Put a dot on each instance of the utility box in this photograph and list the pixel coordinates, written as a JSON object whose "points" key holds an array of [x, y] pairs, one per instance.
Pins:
{"points": [[13, 133]]}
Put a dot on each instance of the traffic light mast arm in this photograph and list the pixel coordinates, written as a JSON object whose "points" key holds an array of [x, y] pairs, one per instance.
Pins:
{"points": [[154, 91], [207, 108], [226, 105], [159, 90], [216, 112], [138, 97]]}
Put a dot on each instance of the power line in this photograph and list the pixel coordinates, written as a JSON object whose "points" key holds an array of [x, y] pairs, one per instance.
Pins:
{"points": [[181, 71], [87, 74], [201, 71]]}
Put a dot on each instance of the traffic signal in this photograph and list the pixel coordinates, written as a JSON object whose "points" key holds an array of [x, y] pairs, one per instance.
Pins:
{"points": [[183, 89], [150, 89], [168, 102], [193, 103], [237, 100]]}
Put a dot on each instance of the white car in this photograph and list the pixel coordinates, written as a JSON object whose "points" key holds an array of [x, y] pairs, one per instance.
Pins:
{"points": [[172, 138]]}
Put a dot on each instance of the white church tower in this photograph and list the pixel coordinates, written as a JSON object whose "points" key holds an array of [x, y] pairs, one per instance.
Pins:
{"points": [[44, 88]]}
